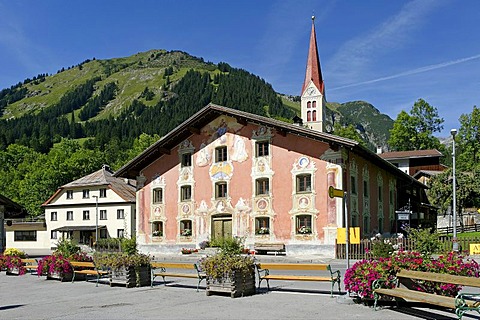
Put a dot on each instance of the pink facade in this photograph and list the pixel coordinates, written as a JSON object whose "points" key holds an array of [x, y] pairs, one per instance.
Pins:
{"points": [[251, 181]]}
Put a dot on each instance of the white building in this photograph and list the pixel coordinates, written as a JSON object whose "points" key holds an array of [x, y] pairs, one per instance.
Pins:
{"points": [[95, 206]]}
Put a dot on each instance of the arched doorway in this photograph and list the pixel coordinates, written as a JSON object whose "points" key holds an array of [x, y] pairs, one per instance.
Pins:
{"points": [[222, 226]]}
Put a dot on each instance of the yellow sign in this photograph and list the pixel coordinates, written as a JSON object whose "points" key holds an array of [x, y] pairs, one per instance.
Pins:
{"points": [[354, 234], [332, 192], [474, 248]]}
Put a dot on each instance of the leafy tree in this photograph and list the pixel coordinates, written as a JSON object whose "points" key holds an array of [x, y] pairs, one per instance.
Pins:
{"points": [[469, 140], [467, 194], [348, 132], [415, 131]]}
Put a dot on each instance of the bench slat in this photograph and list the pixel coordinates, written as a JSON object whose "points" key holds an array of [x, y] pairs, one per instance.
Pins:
{"points": [[418, 296], [293, 266], [439, 277], [179, 275], [297, 278], [173, 265]]}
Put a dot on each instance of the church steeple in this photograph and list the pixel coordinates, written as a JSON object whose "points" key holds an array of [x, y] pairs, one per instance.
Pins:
{"points": [[313, 71], [313, 91]]}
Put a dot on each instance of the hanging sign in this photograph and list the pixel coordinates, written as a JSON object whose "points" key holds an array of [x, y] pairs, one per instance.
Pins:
{"points": [[335, 193]]}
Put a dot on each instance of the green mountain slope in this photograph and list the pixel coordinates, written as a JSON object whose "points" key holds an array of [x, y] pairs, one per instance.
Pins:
{"points": [[149, 92], [373, 126]]}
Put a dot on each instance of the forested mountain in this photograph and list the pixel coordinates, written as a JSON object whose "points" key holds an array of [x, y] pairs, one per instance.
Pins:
{"points": [[107, 111]]}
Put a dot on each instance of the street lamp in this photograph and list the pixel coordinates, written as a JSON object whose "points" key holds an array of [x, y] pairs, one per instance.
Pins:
{"points": [[454, 183], [96, 219]]}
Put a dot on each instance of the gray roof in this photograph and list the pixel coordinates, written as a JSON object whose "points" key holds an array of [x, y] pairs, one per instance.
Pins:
{"points": [[125, 188]]}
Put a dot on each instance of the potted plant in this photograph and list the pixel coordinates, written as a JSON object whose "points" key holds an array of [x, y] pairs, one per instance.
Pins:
{"points": [[186, 232], [228, 271], [304, 230], [131, 270], [262, 231], [189, 251], [129, 267], [55, 266]]}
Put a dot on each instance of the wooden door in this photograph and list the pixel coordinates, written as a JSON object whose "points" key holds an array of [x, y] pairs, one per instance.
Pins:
{"points": [[222, 227]]}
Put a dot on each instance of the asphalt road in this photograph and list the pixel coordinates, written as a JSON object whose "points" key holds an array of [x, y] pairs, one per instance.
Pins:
{"points": [[33, 297]]}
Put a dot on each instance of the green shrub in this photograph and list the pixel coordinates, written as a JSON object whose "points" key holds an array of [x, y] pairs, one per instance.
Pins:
{"points": [[118, 260], [67, 248], [425, 240], [14, 252], [129, 245]]}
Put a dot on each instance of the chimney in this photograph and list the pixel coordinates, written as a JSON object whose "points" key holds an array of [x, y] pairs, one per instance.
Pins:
{"points": [[379, 150], [297, 121]]}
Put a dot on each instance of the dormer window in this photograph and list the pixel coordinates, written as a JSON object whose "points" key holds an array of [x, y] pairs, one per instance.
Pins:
{"points": [[186, 160], [221, 154], [262, 148]]}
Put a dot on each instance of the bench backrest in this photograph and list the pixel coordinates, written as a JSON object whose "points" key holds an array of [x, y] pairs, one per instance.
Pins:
{"points": [[29, 261], [294, 266], [82, 264], [439, 277], [172, 265]]}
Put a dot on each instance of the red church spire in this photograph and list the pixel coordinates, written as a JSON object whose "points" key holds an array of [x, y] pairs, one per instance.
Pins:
{"points": [[313, 72]]}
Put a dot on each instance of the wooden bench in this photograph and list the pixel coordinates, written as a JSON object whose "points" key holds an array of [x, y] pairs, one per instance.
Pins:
{"points": [[87, 269], [264, 273], [30, 264], [462, 303], [263, 248], [163, 269]]}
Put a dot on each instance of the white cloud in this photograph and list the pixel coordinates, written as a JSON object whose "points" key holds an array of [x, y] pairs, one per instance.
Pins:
{"points": [[358, 54], [410, 72]]}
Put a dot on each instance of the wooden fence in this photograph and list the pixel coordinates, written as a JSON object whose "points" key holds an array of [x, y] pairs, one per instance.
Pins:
{"points": [[360, 251], [469, 228]]}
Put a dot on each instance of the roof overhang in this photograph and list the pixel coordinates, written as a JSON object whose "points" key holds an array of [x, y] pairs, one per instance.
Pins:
{"points": [[195, 123]]}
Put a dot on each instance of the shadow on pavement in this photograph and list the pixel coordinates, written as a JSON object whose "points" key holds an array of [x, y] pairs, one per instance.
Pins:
{"points": [[13, 306]]}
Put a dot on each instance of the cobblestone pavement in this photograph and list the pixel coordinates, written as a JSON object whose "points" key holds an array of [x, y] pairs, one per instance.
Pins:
{"points": [[33, 297]]}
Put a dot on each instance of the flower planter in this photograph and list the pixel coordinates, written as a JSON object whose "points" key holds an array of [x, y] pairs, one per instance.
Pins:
{"points": [[127, 276], [238, 285], [13, 272], [62, 276]]}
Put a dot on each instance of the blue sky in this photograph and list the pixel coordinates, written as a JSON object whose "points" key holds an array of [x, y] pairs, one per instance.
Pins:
{"points": [[388, 53]]}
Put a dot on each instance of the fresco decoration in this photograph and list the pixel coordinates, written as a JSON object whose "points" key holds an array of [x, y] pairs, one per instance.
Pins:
{"points": [[391, 209], [186, 146], [381, 196], [239, 152], [203, 156], [221, 171], [366, 193], [158, 180], [262, 205], [202, 225], [262, 133], [242, 218], [354, 195], [304, 202], [215, 134]]}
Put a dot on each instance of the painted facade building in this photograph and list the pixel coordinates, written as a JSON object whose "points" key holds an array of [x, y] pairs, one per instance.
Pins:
{"points": [[224, 172], [98, 205]]}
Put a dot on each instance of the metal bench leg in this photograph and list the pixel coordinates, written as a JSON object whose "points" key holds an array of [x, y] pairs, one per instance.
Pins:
{"points": [[199, 281]]}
